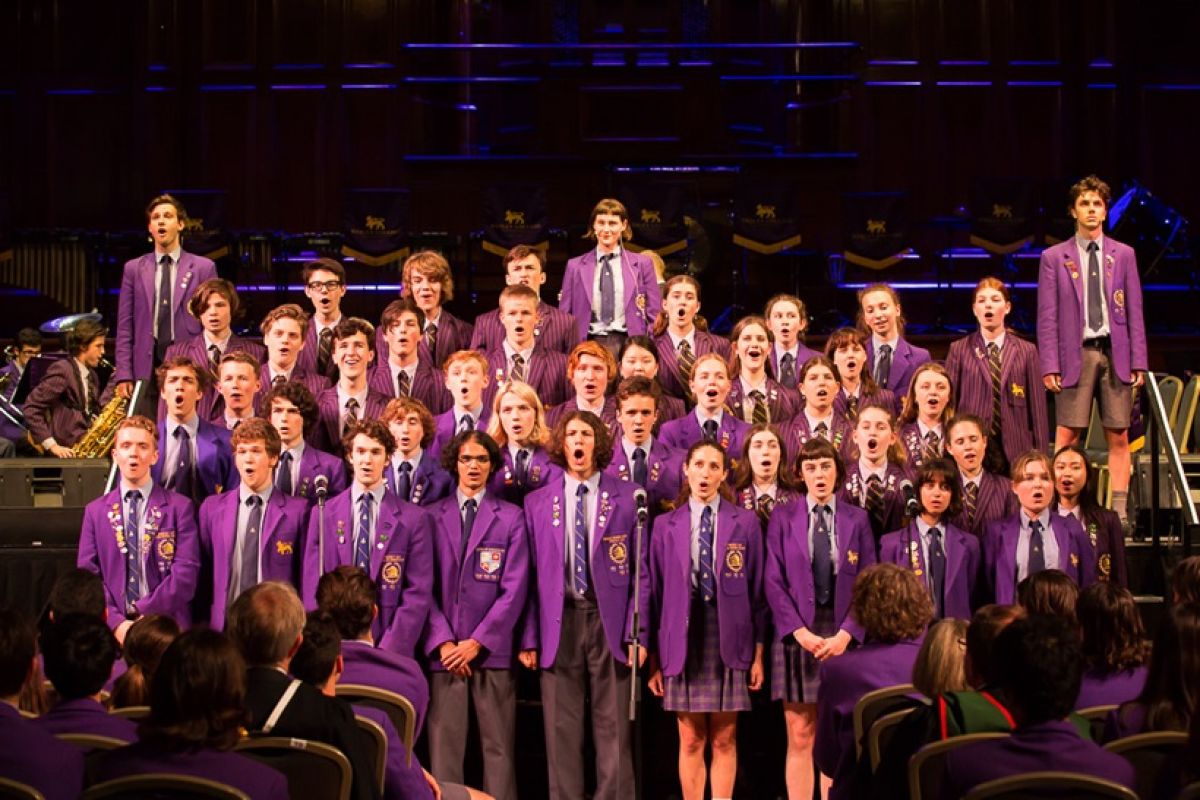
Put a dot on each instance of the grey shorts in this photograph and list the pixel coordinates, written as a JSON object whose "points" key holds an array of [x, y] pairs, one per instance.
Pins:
{"points": [[1097, 378]]}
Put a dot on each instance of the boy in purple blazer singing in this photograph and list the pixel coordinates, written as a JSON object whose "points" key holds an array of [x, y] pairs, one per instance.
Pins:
{"points": [[481, 563], [292, 410], [1034, 539], [253, 534], [140, 538], [401, 373], [1091, 337], [611, 292], [519, 357], [413, 473], [284, 329], [555, 330], [583, 530], [238, 384], [352, 399], [196, 459], [466, 380], [325, 286], [155, 290]]}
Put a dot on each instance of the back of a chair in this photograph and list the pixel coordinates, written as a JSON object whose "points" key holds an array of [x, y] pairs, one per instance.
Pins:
{"points": [[1076, 786], [1189, 792], [379, 745], [1186, 418], [1096, 716], [15, 790], [873, 705], [1149, 753], [164, 786], [91, 741], [136, 713], [925, 767], [398, 708], [879, 735], [312, 769]]}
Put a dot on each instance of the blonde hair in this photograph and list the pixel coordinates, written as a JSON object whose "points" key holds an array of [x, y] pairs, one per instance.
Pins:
{"points": [[432, 265], [941, 663], [539, 434]]}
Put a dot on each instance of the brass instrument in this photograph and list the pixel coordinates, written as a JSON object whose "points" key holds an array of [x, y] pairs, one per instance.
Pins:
{"points": [[98, 441]]}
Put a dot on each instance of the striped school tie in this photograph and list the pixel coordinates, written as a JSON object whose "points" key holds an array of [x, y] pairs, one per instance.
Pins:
{"points": [[687, 360], [994, 369], [762, 413]]}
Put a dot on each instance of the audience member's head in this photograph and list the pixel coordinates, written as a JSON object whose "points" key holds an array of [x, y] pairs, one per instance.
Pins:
{"points": [[145, 642], [77, 591], [1185, 580], [985, 626], [1114, 639], [317, 660], [1039, 668], [78, 652], [939, 667], [197, 698], [347, 595], [265, 623], [1173, 678], [891, 603], [1050, 591], [18, 646]]}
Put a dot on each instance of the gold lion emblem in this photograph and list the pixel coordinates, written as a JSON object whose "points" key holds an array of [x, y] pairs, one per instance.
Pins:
{"points": [[877, 226], [516, 218], [376, 224], [764, 212], [1001, 211], [651, 217]]}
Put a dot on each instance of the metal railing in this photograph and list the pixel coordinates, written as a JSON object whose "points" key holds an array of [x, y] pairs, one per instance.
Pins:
{"points": [[1159, 424]]}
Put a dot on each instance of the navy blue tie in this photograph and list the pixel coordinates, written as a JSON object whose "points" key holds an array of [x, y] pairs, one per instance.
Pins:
{"points": [[639, 467], [608, 298], [362, 534], [522, 467], [708, 580], [181, 479], [579, 580], [166, 310], [1037, 549], [822, 556], [710, 431], [283, 473], [937, 570], [133, 551], [248, 569], [469, 509], [404, 480]]}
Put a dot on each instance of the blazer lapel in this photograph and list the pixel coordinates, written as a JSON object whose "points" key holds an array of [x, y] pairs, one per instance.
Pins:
{"points": [[954, 553], [271, 519], [385, 529], [149, 270], [483, 520], [452, 523], [633, 289], [1073, 270], [587, 274], [846, 554], [183, 276]]}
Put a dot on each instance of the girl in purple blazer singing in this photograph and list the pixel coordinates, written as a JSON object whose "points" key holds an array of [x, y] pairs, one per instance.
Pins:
{"points": [[1077, 497], [986, 495], [681, 335], [518, 425], [847, 348], [819, 382], [892, 358], [875, 481], [763, 479], [928, 406], [996, 375], [638, 357], [814, 555], [706, 578], [710, 420], [754, 395], [788, 320]]}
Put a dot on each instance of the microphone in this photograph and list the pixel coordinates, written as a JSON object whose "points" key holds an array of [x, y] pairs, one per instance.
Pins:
{"points": [[911, 507], [321, 487], [643, 511]]}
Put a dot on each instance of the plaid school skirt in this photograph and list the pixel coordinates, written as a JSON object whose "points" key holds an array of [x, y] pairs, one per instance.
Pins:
{"points": [[706, 685], [795, 672]]}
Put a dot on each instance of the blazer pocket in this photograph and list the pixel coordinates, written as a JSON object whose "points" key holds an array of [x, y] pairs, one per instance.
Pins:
{"points": [[615, 556], [489, 563]]}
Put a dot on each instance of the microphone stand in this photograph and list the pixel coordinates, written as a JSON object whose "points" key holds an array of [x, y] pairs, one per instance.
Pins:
{"points": [[634, 686], [321, 533]]}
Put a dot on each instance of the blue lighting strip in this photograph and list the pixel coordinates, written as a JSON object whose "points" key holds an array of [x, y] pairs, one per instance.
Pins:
{"points": [[475, 79], [1035, 83], [964, 83], [633, 45], [892, 62], [891, 83], [809, 77]]}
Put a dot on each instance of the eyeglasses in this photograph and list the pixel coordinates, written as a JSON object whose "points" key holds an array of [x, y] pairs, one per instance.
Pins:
{"points": [[483, 459], [327, 286]]}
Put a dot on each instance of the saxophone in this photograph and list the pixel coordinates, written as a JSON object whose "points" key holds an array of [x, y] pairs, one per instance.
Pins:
{"points": [[99, 439]]}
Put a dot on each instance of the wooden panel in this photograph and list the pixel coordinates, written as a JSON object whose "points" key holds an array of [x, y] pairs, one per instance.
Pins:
{"points": [[228, 31], [371, 136], [1031, 142], [961, 146], [369, 32], [1162, 168], [299, 32], [226, 155], [85, 168], [1035, 31], [91, 43], [890, 135], [963, 31], [296, 135], [891, 31], [163, 34]]}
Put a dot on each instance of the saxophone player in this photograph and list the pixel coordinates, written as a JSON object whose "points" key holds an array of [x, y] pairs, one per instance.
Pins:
{"points": [[60, 409]]}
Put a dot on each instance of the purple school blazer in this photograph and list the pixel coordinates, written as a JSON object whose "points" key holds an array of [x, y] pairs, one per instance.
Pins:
{"points": [[905, 362], [737, 559], [1107, 538], [306, 359], [403, 779], [669, 408], [681, 434], [34, 757], [453, 334], [788, 576], [1000, 555], [803, 353], [314, 462], [55, 406], [327, 433], [1061, 314], [1024, 424], [642, 300], [281, 544], [1054, 745], [136, 311], [85, 715], [914, 444], [444, 429], [211, 405], [668, 358], [546, 372], [542, 471], [903, 548], [795, 433], [854, 491], [313, 382], [556, 331], [172, 558], [401, 565], [844, 680], [664, 472], [996, 501], [430, 483], [215, 470], [479, 592], [1110, 688], [883, 397], [257, 780], [368, 665], [547, 514], [608, 414], [783, 403], [428, 386]]}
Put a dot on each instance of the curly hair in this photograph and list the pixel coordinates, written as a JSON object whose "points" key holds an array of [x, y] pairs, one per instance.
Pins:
{"points": [[1091, 183], [601, 456], [347, 594], [372, 429], [452, 450], [891, 603], [204, 378], [400, 407], [257, 430], [298, 395]]}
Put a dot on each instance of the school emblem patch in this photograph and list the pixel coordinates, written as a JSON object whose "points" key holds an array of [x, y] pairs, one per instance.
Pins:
{"points": [[489, 561]]}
